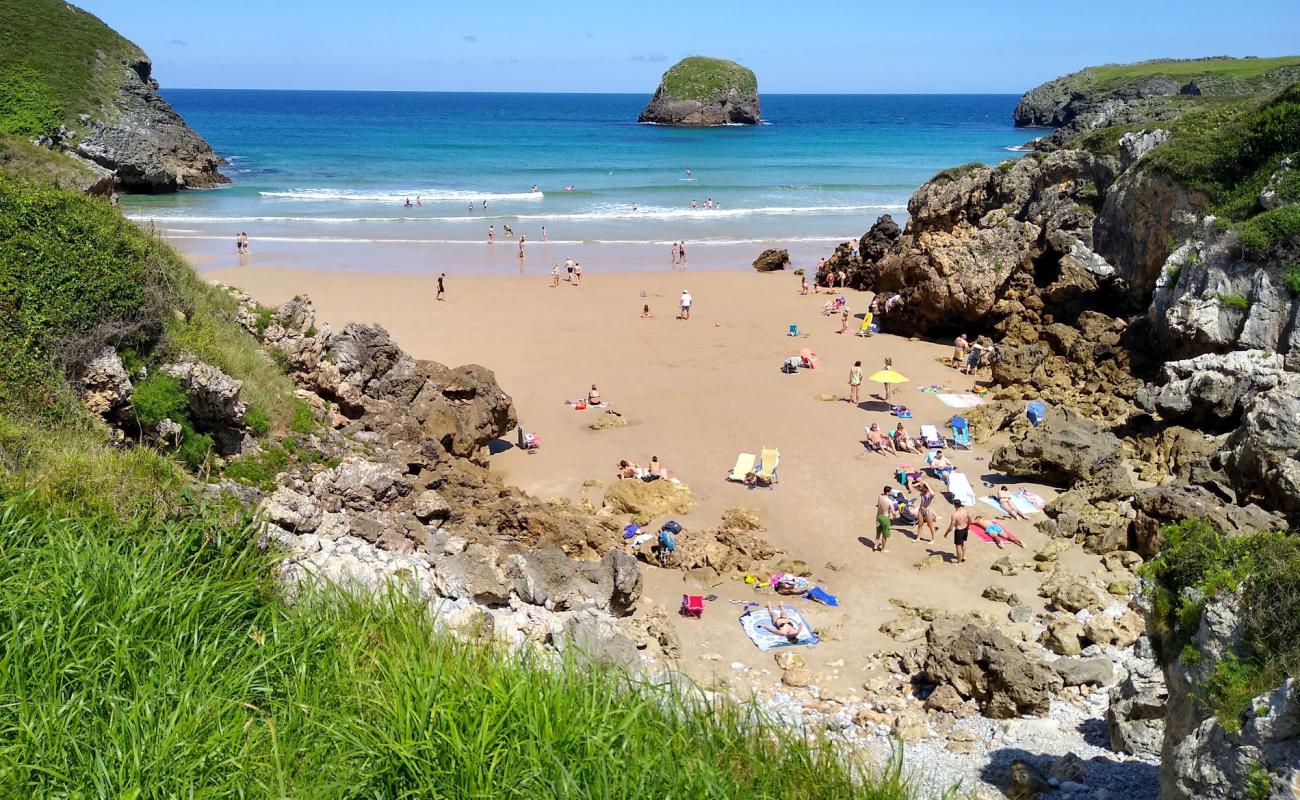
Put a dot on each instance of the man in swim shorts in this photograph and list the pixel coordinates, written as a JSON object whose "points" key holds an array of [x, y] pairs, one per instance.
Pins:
{"points": [[884, 518], [959, 527]]}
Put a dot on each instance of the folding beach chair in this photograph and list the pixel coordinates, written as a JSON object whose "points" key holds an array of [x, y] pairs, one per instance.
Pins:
{"points": [[744, 466], [930, 435], [960, 432], [767, 467]]}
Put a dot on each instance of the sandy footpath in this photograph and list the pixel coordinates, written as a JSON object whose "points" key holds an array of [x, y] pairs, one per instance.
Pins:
{"points": [[696, 393]]}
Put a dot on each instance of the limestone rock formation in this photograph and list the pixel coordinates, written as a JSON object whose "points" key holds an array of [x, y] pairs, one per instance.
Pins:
{"points": [[1262, 458], [104, 385], [772, 260], [700, 91], [983, 664], [1211, 389], [1069, 450], [145, 143], [1135, 717], [1102, 96]]}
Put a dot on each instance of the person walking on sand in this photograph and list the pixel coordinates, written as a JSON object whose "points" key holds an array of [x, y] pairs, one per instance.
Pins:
{"points": [[681, 254], [686, 305], [803, 284], [855, 382], [442, 287], [577, 274], [926, 516], [568, 266], [959, 527], [521, 245], [672, 255], [555, 275], [960, 347], [884, 518]]}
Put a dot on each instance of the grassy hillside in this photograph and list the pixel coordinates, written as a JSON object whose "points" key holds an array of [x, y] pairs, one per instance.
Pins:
{"points": [[1239, 68], [155, 661], [702, 78], [59, 60]]}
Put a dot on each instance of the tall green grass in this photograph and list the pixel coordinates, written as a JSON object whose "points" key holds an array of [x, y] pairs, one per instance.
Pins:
{"points": [[145, 661]]}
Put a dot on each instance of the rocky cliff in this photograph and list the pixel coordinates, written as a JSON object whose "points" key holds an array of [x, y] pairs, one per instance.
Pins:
{"points": [[700, 91], [1143, 93], [83, 92]]}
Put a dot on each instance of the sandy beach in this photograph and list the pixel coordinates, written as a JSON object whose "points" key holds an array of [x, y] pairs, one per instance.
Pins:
{"points": [[696, 393]]}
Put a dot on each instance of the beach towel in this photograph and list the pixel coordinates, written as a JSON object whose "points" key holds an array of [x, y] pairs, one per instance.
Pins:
{"points": [[1022, 505], [765, 640], [1031, 497], [965, 400], [822, 596], [960, 488], [979, 533]]}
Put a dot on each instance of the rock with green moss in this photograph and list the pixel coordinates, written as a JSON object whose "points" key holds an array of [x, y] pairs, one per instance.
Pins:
{"points": [[700, 91]]}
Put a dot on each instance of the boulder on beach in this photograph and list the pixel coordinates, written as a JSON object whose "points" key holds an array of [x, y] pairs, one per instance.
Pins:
{"points": [[702, 91], [772, 260]]}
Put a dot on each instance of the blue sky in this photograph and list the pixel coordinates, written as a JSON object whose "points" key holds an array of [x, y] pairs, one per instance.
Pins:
{"points": [[833, 46]]}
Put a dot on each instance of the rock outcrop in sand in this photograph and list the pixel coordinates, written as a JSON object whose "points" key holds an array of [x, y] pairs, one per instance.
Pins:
{"points": [[700, 91]]}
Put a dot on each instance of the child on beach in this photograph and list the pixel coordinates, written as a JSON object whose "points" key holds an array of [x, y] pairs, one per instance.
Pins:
{"points": [[844, 321], [803, 284]]}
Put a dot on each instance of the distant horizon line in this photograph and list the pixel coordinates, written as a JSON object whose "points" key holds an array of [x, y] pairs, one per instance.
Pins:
{"points": [[646, 94]]}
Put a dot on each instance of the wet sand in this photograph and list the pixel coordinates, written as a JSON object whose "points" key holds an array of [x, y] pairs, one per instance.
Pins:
{"points": [[696, 393]]}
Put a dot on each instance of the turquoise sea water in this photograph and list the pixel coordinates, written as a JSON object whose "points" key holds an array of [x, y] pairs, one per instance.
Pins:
{"points": [[337, 167]]}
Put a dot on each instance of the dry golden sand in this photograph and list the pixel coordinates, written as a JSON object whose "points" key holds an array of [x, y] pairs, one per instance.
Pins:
{"points": [[695, 394]]}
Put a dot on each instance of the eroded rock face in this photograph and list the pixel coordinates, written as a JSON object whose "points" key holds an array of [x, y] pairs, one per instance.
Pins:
{"points": [[1135, 717], [104, 386], [1069, 450], [1210, 299], [1263, 455], [1212, 389], [983, 664], [701, 91], [147, 144]]}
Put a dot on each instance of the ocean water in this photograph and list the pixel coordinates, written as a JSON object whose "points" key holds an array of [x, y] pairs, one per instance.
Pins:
{"points": [[336, 169]]}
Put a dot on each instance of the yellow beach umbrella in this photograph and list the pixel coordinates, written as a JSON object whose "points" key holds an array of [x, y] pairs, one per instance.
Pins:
{"points": [[888, 376]]}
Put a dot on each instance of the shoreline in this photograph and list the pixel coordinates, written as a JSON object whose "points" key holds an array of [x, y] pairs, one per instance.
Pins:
{"points": [[480, 259]]}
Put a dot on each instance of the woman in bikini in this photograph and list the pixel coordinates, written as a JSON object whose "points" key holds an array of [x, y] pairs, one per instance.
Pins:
{"points": [[902, 441], [927, 514], [782, 624]]}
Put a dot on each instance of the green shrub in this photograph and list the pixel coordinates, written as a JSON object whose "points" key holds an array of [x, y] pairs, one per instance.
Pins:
{"points": [[144, 660], [28, 106], [263, 317], [1172, 272], [1199, 562], [259, 470], [304, 418], [1291, 277], [194, 448], [257, 421], [1259, 786], [956, 173], [1234, 301], [1265, 235], [159, 397]]}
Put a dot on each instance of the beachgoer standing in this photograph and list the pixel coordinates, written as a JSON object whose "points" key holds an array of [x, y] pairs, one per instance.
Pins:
{"points": [[545, 238], [803, 284], [577, 274], [959, 527], [555, 275], [442, 287], [568, 266], [844, 321], [926, 515], [686, 305], [672, 255], [960, 347], [492, 234], [884, 518], [681, 253], [855, 382], [843, 279], [417, 200], [521, 245]]}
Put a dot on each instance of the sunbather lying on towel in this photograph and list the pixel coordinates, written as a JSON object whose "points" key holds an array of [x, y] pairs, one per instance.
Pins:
{"points": [[1004, 500], [626, 469], [782, 624], [993, 529], [877, 440]]}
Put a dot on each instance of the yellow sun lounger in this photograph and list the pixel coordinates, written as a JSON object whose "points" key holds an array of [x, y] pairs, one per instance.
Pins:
{"points": [[865, 329], [744, 466], [767, 468]]}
